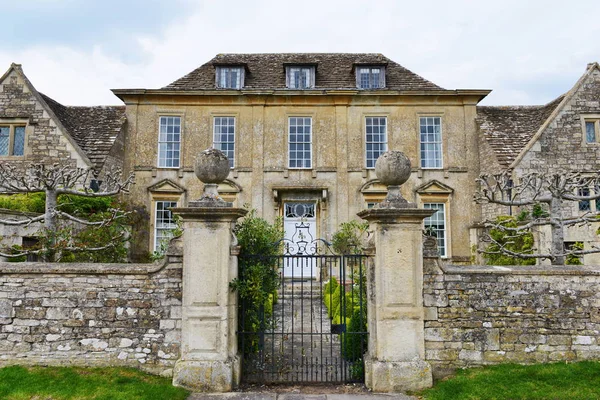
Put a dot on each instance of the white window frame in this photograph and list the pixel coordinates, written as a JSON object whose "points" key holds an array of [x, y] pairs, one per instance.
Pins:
{"points": [[307, 76], [428, 222], [370, 161], [224, 79], [293, 143], [164, 142], [378, 83], [10, 127], [227, 146], [431, 145], [166, 225]]}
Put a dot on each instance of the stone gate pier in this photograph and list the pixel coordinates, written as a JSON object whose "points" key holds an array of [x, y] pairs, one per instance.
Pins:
{"points": [[396, 358], [209, 355]]}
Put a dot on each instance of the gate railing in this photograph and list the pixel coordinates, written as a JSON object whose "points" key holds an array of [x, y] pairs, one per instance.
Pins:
{"points": [[311, 324]]}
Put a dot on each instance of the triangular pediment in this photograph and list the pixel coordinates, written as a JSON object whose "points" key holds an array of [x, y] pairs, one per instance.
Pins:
{"points": [[229, 186], [434, 187], [166, 186], [373, 186]]}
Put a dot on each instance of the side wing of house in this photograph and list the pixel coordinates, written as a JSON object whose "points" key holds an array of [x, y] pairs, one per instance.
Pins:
{"points": [[561, 136], [30, 132]]}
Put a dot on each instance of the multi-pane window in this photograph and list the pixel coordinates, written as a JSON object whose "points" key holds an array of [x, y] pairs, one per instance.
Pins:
{"points": [[376, 140], [169, 142], [592, 128], [12, 140], [300, 142], [370, 77], [224, 137], [588, 205], [584, 205], [230, 77], [437, 225], [164, 224], [431, 142], [300, 77]]}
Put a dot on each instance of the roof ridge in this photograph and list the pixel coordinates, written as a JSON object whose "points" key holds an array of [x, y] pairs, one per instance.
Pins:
{"points": [[551, 102]]}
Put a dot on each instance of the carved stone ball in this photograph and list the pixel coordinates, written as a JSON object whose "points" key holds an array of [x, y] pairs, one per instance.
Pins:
{"points": [[212, 166], [392, 168]]}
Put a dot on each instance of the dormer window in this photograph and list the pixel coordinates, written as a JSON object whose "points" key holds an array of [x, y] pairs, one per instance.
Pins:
{"points": [[230, 77], [300, 77], [370, 77]]}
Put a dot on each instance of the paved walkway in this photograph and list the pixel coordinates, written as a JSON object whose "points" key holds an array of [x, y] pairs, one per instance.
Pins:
{"points": [[298, 396]]}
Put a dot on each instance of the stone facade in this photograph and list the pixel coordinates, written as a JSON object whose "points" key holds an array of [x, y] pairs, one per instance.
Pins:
{"points": [[45, 140], [338, 180], [92, 315], [545, 139], [488, 315]]}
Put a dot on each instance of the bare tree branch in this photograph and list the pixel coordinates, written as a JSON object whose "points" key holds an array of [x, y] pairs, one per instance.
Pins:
{"points": [[25, 222], [553, 190], [114, 216]]}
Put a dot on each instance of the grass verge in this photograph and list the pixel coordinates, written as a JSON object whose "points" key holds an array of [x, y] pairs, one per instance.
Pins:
{"points": [[565, 381], [66, 383]]}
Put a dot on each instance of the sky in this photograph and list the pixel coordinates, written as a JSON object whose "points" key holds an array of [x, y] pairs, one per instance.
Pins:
{"points": [[75, 51]]}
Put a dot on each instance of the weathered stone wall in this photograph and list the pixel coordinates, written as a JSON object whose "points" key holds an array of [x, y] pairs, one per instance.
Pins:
{"points": [[90, 314], [562, 147], [44, 141], [486, 315]]}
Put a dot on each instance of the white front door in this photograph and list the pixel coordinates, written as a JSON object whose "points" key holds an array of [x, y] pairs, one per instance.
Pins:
{"points": [[300, 227]]}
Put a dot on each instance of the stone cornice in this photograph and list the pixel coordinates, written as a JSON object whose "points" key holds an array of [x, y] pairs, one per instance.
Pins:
{"points": [[396, 215]]}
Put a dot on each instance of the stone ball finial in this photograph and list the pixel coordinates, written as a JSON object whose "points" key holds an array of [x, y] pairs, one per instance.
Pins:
{"points": [[393, 168], [212, 166]]}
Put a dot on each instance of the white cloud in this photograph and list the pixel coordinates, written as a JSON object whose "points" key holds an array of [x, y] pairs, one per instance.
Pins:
{"points": [[527, 52]]}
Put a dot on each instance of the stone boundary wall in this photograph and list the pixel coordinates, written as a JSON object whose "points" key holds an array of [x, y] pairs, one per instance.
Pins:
{"points": [[92, 314], [479, 315]]}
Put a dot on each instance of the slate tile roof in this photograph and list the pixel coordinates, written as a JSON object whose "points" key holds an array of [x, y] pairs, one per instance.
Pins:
{"points": [[94, 129], [333, 71], [508, 129]]}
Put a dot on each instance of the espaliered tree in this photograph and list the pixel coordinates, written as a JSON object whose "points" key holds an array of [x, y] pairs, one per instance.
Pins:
{"points": [[543, 197], [54, 181]]}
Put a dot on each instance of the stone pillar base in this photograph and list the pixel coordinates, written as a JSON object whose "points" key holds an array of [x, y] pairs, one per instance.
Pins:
{"points": [[392, 377], [207, 376]]}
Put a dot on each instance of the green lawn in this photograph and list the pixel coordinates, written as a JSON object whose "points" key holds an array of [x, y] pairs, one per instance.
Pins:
{"points": [[511, 381], [65, 383]]}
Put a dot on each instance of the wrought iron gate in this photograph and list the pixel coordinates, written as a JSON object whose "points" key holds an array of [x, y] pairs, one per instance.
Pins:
{"points": [[312, 327]]}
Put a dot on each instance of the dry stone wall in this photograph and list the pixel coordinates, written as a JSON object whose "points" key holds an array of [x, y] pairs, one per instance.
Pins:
{"points": [[92, 315], [481, 315]]}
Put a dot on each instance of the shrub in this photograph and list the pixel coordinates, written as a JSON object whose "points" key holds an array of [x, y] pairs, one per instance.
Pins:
{"points": [[258, 278], [515, 242], [349, 239], [574, 259], [26, 202], [355, 345]]}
